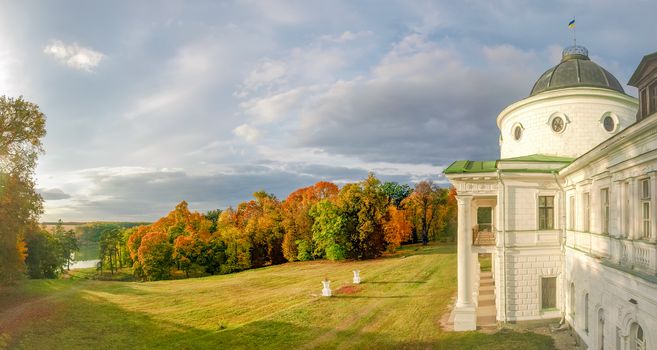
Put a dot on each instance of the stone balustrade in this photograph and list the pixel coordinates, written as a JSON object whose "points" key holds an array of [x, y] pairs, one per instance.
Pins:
{"points": [[635, 254]]}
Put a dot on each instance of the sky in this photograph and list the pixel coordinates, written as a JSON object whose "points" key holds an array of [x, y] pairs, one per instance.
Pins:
{"points": [[149, 103]]}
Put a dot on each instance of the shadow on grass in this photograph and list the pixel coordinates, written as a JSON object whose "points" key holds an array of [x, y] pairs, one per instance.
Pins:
{"points": [[94, 323], [393, 282], [345, 296]]}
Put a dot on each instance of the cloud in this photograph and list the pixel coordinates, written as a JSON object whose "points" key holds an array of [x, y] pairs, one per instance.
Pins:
{"points": [[145, 194], [424, 102], [346, 36], [73, 55], [267, 74], [53, 194], [276, 106], [247, 132]]}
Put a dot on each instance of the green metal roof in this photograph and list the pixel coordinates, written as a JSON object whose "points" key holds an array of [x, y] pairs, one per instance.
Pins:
{"points": [[471, 166], [489, 166], [540, 158], [576, 70]]}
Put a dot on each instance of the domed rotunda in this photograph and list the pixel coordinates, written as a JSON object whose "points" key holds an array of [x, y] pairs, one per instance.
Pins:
{"points": [[572, 107]]}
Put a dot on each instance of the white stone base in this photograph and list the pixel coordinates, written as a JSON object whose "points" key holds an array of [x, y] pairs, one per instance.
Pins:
{"points": [[465, 318]]}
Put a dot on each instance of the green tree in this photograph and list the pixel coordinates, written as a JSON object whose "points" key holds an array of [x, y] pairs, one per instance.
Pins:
{"points": [[44, 258], [213, 216], [22, 126], [395, 192], [68, 243], [329, 231], [110, 248]]}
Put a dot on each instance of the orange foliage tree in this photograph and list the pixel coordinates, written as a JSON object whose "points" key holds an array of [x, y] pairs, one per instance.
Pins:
{"points": [[397, 228], [155, 255], [297, 222]]}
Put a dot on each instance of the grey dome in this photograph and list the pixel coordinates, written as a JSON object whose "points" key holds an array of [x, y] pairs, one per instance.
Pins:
{"points": [[576, 69]]}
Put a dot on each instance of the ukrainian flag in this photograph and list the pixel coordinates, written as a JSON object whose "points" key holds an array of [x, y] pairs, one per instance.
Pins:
{"points": [[571, 24]]}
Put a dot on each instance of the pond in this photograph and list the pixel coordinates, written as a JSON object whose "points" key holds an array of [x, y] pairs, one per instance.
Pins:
{"points": [[83, 264], [88, 256]]}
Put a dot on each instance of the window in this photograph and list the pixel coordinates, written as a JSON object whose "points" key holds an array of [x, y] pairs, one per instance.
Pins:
{"points": [[557, 124], [549, 293], [517, 132], [601, 329], [652, 93], [586, 312], [638, 341], [485, 218], [546, 212], [572, 213], [608, 123], [645, 208], [587, 212], [644, 102], [604, 198], [626, 209]]}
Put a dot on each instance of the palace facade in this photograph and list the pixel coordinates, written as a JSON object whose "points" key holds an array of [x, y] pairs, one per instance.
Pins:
{"points": [[568, 213]]}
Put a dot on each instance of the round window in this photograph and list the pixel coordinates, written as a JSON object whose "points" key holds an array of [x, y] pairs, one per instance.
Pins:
{"points": [[609, 124], [557, 124], [517, 133]]}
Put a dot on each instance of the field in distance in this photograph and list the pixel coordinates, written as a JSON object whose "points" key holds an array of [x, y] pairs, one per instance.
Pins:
{"points": [[398, 305]]}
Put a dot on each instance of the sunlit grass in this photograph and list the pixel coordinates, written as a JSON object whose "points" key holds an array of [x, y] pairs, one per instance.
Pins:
{"points": [[399, 305]]}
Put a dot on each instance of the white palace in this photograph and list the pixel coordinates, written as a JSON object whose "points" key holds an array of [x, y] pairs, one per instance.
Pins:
{"points": [[568, 211]]}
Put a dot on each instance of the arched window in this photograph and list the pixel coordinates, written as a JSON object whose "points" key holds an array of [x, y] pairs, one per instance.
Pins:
{"points": [[637, 338]]}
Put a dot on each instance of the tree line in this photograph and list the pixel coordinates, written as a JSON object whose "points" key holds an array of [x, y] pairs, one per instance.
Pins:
{"points": [[358, 221]]}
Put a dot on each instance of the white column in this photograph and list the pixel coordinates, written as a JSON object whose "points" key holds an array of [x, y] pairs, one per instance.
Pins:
{"points": [[653, 205], [635, 209], [465, 316]]}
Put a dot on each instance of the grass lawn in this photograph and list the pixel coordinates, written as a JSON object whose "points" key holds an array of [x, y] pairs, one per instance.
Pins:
{"points": [[398, 305]]}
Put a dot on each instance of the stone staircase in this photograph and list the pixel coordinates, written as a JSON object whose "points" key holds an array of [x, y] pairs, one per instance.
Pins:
{"points": [[486, 311]]}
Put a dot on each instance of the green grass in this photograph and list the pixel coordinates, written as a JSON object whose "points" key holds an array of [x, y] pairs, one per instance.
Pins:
{"points": [[399, 305], [485, 262]]}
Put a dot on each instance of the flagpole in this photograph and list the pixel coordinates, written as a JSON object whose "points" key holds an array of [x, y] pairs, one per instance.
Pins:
{"points": [[574, 33]]}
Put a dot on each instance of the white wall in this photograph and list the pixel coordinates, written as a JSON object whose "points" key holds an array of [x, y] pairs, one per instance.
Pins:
{"points": [[582, 108]]}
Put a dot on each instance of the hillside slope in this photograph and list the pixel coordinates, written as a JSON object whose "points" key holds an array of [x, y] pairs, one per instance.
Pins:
{"points": [[398, 305]]}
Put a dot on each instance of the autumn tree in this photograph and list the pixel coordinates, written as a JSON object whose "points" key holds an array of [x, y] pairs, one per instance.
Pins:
{"points": [[185, 252], [154, 254], [397, 228], [369, 242], [297, 221], [133, 243], [260, 219], [22, 126], [423, 206], [237, 248]]}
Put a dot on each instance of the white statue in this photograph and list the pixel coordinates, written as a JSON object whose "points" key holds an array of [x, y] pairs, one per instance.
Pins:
{"points": [[326, 291], [356, 277]]}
